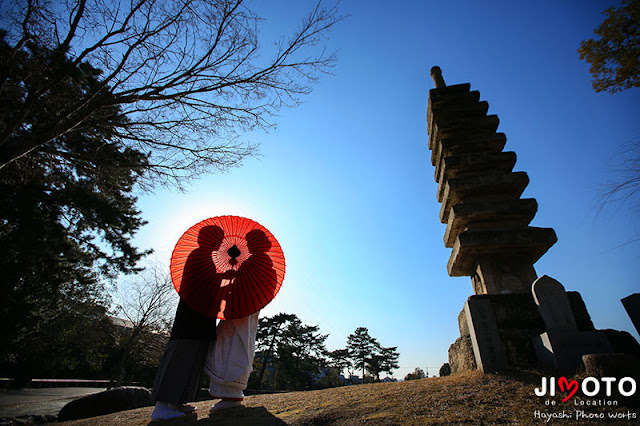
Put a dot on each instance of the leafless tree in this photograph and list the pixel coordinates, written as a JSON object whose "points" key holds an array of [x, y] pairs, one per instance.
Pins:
{"points": [[147, 304], [189, 75], [623, 188], [625, 185]]}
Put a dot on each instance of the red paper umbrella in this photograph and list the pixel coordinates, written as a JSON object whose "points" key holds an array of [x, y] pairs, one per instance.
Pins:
{"points": [[227, 267]]}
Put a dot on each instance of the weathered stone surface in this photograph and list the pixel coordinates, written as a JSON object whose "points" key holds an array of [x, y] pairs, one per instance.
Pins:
{"points": [[562, 345], [519, 322], [473, 164], [485, 338], [500, 214], [519, 311], [631, 304], [460, 94], [440, 98], [580, 312], [518, 347], [485, 187], [461, 356], [442, 94], [447, 114], [463, 126], [525, 245], [611, 365], [623, 342], [503, 276], [516, 312], [436, 74], [462, 323], [458, 146], [462, 104], [553, 304], [563, 350], [110, 401]]}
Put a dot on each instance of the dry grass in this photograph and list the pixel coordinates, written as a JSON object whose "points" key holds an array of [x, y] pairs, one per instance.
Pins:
{"points": [[472, 398]]}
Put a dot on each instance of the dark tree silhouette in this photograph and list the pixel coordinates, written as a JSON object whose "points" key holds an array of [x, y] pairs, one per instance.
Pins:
{"points": [[615, 55], [67, 215], [268, 339], [361, 347], [418, 373], [295, 350], [615, 66]]}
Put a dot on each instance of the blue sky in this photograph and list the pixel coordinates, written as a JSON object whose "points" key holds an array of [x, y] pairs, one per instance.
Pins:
{"points": [[346, 185]]}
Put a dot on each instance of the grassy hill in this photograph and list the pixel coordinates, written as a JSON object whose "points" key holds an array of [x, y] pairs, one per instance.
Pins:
{"points": [[472, 398]]}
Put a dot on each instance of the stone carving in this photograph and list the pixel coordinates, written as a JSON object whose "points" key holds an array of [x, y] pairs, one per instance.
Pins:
{"points": [[485, 339]]}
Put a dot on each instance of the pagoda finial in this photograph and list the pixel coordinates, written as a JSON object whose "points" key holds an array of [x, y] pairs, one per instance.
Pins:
{"points": [[436, 74]]}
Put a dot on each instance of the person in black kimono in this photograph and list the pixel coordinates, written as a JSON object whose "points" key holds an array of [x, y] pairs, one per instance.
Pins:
{"points": [[182, 364]]}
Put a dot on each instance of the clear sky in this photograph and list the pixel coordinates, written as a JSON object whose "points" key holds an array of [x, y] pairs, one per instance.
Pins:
{"points": [[346, 185]]}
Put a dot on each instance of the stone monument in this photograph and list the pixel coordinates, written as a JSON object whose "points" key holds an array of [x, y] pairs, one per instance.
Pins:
{"points": [[631, 304], [562, 345], [488, 231]]}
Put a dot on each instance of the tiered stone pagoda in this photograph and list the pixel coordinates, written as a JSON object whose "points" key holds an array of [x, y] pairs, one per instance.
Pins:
{"points": [[487, 221], [487, 228]]}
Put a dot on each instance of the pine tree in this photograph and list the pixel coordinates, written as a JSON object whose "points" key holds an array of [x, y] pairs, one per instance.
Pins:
{"points": [[361, 346], [67, 213]]}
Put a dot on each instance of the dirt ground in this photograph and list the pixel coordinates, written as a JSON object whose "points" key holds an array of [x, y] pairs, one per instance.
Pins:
{"points": [[471, 398]]}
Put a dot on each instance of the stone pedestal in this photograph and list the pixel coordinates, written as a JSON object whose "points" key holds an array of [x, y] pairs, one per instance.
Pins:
{"points": [[518, 322], [563, 350]]}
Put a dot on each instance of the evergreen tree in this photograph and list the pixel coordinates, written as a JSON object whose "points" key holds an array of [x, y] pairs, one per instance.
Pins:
{"points": [[418, 373], [361, 346], [268, 339], [300, 356], [66, 210], [367, 354], [389, 359], [445, 370], [294, 350], [339, 359]]}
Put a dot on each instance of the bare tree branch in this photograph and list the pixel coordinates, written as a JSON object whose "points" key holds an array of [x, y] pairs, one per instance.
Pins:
{"points": [[189, 75], [148, 303]]}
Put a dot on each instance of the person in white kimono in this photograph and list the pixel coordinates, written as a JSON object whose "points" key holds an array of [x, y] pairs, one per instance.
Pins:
{"points": [[230, 360]]}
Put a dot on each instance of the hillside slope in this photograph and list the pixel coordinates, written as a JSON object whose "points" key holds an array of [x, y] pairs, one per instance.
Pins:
{"points": [[464, 398]]}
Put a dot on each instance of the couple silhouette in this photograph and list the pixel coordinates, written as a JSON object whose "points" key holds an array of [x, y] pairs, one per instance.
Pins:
{"points": [[226, 277], [231, 283]]}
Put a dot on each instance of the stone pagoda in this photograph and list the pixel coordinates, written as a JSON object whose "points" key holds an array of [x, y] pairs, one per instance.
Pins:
{"points": [[491, 241]]}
